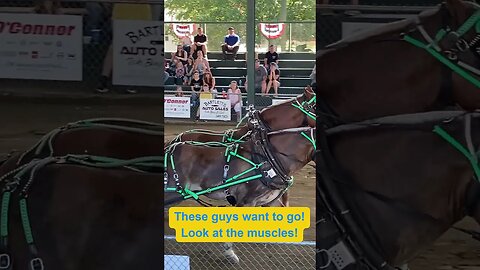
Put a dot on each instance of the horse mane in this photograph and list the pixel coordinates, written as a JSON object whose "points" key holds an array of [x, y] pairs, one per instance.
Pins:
{"points": [[381, 31]]}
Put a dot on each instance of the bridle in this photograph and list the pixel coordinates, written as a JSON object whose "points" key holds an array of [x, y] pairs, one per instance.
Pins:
{"points": [[456, 44]]}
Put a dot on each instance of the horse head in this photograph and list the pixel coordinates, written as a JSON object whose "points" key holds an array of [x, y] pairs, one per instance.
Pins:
{"points": [[460, 42]]}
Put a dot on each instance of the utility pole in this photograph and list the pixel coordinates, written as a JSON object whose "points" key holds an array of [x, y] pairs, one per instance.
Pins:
{"points": [[251, 23]]}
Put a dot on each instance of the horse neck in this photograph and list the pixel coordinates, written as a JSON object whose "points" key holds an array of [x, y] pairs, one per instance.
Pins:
{"points": [[292, 150], [357, 92], [282, 116]]}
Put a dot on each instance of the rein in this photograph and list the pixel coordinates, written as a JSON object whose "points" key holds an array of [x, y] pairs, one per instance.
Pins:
{"points": [[461, 46], [45, 144], [269, 167], [22, 178]]}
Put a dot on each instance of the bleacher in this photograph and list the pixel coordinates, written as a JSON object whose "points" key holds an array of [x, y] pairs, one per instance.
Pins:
{"points": [[295, 69]]}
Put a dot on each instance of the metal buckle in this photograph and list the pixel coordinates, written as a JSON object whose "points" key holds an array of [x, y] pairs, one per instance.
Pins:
{"points": [[462, 45], [329, 259], [340, 255], [36, 264], [4, 261]]}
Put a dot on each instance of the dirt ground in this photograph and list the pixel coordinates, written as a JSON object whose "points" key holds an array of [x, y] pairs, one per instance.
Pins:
{"points": [[22, 124]]}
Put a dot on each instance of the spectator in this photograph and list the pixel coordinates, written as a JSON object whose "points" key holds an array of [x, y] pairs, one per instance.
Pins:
{"points": [[271, 57], [199, 43], [231, 44], [180, 55], [273, 79], [179, 74], [47, 7], [187, 43], [122, 12], [260, 78], [196, 84], [209, 80], [188, 71], [206, 93], [201, 64], [234, 95]]}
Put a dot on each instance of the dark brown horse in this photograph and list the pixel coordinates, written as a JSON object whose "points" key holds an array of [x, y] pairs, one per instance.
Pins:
{"points": [[119, 138], [82, 217], [379, 73], [403, 181]]}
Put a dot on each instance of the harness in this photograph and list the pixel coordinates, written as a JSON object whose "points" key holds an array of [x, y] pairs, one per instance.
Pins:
{"points": [[344, 242], [19, 182], [264, 164], [307, 107], [456, 45], [44, 146]]}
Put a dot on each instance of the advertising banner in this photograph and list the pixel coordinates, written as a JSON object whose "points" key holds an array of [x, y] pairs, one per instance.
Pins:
{"points": [[177, 107], [41, 47], [137, 53], [215, 109]]}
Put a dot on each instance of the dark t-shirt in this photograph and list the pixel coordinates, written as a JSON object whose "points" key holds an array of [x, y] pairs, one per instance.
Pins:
{"points": [[197, 84], [202, 38], [271, 57]]}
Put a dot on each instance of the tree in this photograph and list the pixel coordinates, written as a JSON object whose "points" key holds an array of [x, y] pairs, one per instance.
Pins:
{"points": [[236, 11]]}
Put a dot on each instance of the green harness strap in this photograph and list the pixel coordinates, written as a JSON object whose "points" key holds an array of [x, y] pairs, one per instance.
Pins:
{"points": [[460, 71], [4, 214], [475, 166], [473, 20], [27, 229]]}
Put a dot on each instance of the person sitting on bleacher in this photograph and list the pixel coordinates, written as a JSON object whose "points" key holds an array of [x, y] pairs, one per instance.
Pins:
{"points": [[260, 78], [231, 44], [188, 71], [270, 57], [199, 43], [234, 95], [179, 75], [187, 43], [180, 55], [201, 64], [209, 80], [273, 79]]}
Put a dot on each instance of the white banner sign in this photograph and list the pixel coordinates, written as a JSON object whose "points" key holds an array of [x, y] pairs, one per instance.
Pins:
{"points": [[137, 53], [215, 109], [42, 47], [176, 107], [353, 28]]}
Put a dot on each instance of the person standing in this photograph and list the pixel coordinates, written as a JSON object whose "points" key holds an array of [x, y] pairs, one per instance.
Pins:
{"points": [[231, 44]]}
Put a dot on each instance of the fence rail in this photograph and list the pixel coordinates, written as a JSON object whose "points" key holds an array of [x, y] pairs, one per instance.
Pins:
{"points": [[268, 256]]}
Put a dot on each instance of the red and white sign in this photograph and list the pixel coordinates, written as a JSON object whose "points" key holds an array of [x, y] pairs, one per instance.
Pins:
{"points": [[272, 30], [176, 107], [181, 30], [41, 47]]}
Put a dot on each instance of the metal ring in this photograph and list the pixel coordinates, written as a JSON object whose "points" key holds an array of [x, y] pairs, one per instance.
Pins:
{"points": [[328, 256]]}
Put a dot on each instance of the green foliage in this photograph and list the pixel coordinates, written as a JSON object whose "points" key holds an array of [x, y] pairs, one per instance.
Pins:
{"points": [[236, 11]]}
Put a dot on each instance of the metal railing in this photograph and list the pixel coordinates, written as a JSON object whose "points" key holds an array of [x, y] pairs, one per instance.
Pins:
{"points": [[252, 256]]}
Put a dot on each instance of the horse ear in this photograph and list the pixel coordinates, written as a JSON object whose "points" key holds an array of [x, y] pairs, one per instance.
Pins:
{"points": [[457, 9]]}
